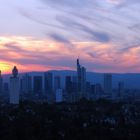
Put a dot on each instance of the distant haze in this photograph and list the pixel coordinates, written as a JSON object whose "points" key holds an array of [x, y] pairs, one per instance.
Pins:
{"points": [[131, 81]]}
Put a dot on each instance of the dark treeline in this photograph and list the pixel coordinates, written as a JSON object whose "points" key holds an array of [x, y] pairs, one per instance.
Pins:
{"points": [[78, 121]]}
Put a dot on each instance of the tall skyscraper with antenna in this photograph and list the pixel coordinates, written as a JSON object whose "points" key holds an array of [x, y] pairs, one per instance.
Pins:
{"points": [[1, 83], [81, 80]]}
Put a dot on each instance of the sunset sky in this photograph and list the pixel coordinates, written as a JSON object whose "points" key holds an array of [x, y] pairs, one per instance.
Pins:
{"points": [[40, 35]]}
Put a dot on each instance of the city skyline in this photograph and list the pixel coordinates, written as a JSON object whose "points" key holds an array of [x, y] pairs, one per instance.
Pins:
{"points": [[34, 32]]}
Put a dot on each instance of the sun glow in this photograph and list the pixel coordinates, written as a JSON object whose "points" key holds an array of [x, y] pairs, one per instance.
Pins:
{"points": [[4, 67], [30, 54]]}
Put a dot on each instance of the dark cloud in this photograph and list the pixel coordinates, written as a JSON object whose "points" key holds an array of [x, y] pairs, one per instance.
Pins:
{"points": [[89, 20], [34, 18], [135, 27], [99, 36], [126, 49], [59, 38], [92, 55], [13, 46], [69, 3], [68, 23], [75, 25], [125, 3], [11, 50]]}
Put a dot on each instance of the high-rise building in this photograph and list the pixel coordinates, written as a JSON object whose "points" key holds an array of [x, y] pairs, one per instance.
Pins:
{"points": [[37, 85], [57, 82], [48, 82], [108, 84], [98, 89], [88, 87], [48, 86], [68, 84], [74, 84], [58, 95], [14, 87], [5, 87], [93, 89], [81, 79], [79, 76], [1, 84], [26, 84], [120, 89]]}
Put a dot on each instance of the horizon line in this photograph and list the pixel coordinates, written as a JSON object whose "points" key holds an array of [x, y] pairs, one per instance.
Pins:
{"points": [[73, 71]]}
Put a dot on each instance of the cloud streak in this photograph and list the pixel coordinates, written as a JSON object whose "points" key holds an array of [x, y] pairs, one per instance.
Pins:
{"points": [[99, 21], [105, 33], [44, 55], [114, 21]]}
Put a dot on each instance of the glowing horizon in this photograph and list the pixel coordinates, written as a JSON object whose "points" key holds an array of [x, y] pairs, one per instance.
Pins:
{"points": [[30, 54]]}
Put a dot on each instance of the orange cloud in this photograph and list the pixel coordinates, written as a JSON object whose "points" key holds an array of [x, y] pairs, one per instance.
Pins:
{"points": [[31, 54]]}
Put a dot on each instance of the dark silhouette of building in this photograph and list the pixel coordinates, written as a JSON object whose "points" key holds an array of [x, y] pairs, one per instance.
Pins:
{"points": [[88, 87], [6, 87], [57, 82], [1, 83], [48, 86], [15, 72], [98, 89], [81, 80], [37, 84], [14, 87], [120, 89], [108, 84], [68, 84], [74, 84], [26, 84], [48, 82]]}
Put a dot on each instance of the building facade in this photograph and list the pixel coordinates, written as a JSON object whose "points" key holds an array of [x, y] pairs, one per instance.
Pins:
{"points": [[108, 84], [14, 87], [81, 80]]}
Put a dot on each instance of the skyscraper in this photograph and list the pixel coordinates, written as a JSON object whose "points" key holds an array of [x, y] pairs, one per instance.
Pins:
{"points": [[59, 95], [57, 82], [1, 84], [14, 87], [98, 89], [48, 82], [120, 89], [74, 84], [48, 86], [68, 84], [5, 87], [108, 84], [37, 84], [81, 80], [88, 87], [26, 84], [79, 76]]}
